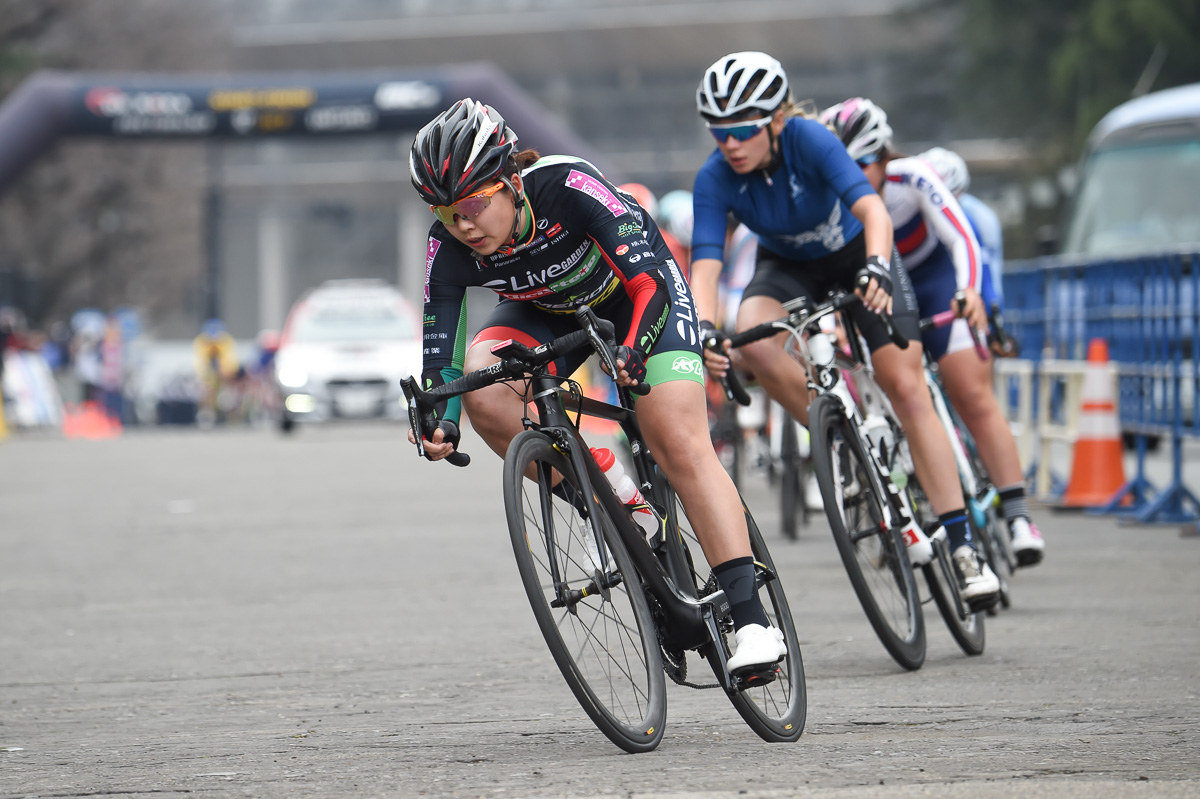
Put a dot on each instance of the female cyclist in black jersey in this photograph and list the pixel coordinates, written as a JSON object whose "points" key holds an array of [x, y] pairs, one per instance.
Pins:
{"points": [[819, 222], [549, 234]]}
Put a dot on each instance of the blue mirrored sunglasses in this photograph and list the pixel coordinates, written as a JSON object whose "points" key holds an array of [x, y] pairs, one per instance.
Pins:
{"points": [[868, 159], [742, 131]]}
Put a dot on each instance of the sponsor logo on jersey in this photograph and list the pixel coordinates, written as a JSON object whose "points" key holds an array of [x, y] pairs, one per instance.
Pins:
{"points": [[554, 231], [624, 248], [542, 223], [581, 181], [646, 342], [829, 233], [546, 277], [526, 295], [430, 254], [688, 365], [685, 321], [626, 230]]}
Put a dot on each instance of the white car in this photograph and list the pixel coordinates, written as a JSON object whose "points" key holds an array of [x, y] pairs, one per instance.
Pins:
{"points": [[345, 346]]}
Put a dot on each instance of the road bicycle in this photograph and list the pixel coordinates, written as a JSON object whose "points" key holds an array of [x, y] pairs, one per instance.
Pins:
{"points": [[866, 510], [869, 484], [619, 612], [979, 493]]}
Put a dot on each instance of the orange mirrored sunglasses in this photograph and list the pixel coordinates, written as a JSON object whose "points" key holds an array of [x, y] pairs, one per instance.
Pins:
{"points": [[468, 207]]}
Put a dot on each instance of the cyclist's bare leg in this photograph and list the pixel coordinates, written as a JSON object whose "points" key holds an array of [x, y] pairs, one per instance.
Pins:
{"points": [[969, 385], [899, 373], [782, 376], [669, 416]]}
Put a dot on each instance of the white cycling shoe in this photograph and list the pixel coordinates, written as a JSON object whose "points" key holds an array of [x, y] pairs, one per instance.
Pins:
{"points": [[1027, 542], [920, 548], [756, 647], [982, 587]]}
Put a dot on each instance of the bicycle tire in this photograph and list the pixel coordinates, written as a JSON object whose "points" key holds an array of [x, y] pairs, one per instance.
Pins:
{"points": [[994, 553], [876, 560], [970, 633], [607, 637], [775, 711], [791, 498]]}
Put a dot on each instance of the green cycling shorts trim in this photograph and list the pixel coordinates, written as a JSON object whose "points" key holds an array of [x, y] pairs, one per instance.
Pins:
{"points": [[663, 367]]}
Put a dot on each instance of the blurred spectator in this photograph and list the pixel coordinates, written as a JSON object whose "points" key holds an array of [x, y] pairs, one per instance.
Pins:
{"points": [[675, 216], [217, 367], [649, 203], [112, 370]]}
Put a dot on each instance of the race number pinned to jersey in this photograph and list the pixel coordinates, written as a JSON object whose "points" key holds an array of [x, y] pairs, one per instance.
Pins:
{"points": [[581, 181]]}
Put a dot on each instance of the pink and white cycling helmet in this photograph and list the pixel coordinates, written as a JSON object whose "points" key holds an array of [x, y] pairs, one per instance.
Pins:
{"points": [[740, 83], [861, 125]]}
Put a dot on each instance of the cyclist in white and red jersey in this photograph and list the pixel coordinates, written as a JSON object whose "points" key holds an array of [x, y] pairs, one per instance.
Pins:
{"points": [[942, 256], [549, 234]]}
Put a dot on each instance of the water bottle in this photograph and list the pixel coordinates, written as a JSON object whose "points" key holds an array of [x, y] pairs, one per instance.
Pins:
{"points": [[627, 491]]}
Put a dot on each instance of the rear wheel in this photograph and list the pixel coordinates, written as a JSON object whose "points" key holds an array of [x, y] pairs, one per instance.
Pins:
{"points": [[966, 627], [596, 620], [775, 710], [874, 556]]}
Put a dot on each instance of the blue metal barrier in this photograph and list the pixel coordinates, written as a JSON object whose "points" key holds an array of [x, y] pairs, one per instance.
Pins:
{"points": [[1148, 310]]}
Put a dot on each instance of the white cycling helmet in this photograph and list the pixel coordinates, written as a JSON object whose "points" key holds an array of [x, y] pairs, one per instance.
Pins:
{"points": [[739, 83], [861, 125], [950, 166]]}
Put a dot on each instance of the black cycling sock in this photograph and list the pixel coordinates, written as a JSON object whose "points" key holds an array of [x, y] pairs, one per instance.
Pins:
{"points": [[736, 579], [1013, 502], [957, 529]]}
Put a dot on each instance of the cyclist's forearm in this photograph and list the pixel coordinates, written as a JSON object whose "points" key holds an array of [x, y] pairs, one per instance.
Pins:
{"points": [[706, 273], [877, 225]]}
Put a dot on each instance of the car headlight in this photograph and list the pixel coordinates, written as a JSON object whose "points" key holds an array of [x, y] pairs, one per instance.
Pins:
{"points": [[291, 376]]}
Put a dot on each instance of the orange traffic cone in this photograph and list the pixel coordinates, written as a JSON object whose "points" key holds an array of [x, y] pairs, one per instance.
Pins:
{"points": [[1097, 468], [89, 421]]}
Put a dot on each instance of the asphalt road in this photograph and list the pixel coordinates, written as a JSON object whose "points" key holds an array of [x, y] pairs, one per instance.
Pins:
{"points": [[238, 614]]}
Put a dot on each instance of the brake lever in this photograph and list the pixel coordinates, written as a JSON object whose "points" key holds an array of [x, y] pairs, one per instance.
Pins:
{"points": [[604, 343], [424, 423]]}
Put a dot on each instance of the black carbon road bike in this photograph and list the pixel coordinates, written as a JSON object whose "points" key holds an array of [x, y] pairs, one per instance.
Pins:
{"points": [[618, 611]]}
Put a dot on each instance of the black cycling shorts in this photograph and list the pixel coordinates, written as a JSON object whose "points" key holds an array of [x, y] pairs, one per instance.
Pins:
{"points": [[785, 279]]}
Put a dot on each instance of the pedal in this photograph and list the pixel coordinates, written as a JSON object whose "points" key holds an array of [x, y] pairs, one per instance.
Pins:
{"points": [[755, 678], [983, 603]]}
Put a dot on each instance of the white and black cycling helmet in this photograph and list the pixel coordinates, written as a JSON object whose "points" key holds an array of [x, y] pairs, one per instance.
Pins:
{"points": [[741, 84], [461, 151], [861, 125], [950, 166]]}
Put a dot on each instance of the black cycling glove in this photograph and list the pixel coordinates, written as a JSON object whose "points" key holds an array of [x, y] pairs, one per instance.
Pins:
{"points": [[710, 337], [635, 362], [450, 432], [878, 268]]}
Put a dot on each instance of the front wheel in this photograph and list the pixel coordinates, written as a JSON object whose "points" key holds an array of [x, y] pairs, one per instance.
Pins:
{"points": [[593, 615], [775, 710], [874, 556]]}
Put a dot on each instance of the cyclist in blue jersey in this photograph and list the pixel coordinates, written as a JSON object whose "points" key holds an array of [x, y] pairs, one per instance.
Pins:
{"points": [[549, 234], [819, 222]]}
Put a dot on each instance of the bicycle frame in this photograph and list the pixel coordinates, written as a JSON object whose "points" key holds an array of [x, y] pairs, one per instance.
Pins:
{"points": [[692, 622]]}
